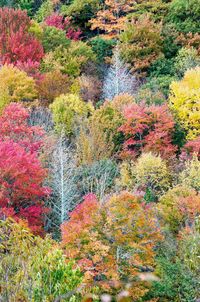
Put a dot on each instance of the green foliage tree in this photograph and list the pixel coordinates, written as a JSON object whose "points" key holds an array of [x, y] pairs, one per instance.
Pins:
{"points": [[156, 9], [33, 268], [102, 48], [187, 58], [45, 10], [53, 37], [81, 11], [185, 14], [69, 60]]}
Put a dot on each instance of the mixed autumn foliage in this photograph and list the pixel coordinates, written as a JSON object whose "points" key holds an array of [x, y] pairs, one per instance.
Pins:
{"points": [[99, 150]]}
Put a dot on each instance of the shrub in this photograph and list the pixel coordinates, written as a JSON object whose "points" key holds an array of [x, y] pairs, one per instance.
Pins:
{"points": [[66, 108], [151, 172], [184, 101]]}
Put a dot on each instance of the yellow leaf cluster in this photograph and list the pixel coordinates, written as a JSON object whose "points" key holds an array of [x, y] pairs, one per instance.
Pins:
{"points": [[185, 101], [15, 86], [66, 108]]}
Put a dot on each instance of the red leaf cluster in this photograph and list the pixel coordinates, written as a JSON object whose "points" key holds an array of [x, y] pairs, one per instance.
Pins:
{"points": [[59, 22], [190, 148], [147, 129], [80, 219], [16, 43], [21, 173], [14, 126]]}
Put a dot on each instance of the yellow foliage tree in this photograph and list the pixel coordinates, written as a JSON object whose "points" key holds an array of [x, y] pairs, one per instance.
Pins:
{"points": [[98, 136], [185, 101], [92, 142], [190, 176], [148, 173], [66, 108], [16, 86]]}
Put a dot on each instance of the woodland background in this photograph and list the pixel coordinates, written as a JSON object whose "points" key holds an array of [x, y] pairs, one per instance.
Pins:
{"points": [[99, 150]]}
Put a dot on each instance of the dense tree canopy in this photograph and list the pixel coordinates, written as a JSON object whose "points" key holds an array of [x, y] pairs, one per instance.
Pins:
{"points": [[99, 150]]}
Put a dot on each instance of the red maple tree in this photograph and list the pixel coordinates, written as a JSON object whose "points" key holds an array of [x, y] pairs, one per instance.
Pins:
{"points": [[14, 126], [147, 129], [21, 172], [16, 43]]}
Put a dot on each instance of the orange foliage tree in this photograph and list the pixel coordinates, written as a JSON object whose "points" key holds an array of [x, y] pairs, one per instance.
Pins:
{"points": [[112, 242], [112, 18]]}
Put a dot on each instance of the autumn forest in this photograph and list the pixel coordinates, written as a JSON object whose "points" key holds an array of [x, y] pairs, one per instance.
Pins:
{"points": [[99, 150]]}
